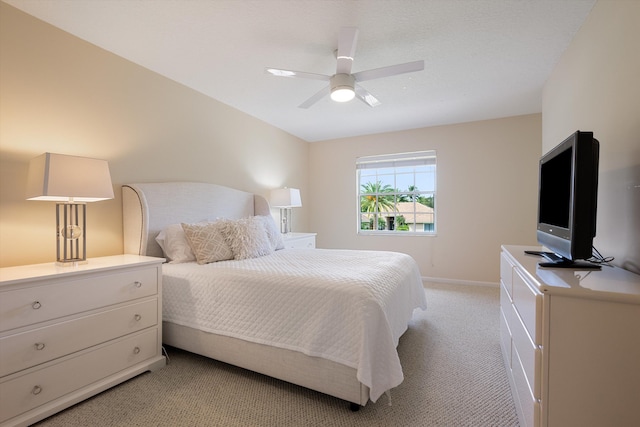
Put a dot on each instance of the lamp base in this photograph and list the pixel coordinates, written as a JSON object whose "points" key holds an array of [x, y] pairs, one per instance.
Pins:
{"points": [[71, 238], [285, 220]]}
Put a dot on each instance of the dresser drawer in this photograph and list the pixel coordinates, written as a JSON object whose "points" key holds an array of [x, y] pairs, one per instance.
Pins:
{"points": [[30, 305], [505, 301], [529, 406], [24, 350], [305, 242], [528, 304], [38, 387], [505, 339], [506, 273], [529, 353], [506, 311]]}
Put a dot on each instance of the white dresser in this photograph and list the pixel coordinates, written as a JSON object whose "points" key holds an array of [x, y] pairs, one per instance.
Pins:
{"points": [[299, 240], [67, 333], [571, 342]]}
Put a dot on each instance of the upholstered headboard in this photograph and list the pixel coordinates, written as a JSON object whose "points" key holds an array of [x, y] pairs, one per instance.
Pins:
{"points": [[150, 207]]}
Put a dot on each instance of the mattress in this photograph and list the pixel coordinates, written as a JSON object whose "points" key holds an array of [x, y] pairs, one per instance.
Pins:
{"points": [[350, 307]]}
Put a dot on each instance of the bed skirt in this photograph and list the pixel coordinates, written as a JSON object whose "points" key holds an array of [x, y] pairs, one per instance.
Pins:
{"points": [[311, 372]]}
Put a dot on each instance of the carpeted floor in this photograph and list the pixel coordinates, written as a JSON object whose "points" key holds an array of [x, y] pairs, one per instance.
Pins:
{"points": [[454, 376]]}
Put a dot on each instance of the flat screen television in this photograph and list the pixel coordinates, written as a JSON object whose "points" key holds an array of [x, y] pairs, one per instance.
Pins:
{"points": [[567, 199]]}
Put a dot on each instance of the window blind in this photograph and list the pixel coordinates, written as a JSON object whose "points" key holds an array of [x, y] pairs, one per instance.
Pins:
{"points": [[419, 158]]}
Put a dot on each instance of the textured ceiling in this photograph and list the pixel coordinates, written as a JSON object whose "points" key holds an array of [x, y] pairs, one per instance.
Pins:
{"points": [[483, 58]]}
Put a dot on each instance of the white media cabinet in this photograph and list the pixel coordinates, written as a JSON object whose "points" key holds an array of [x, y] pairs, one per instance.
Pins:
{"points": [[570, 341]]}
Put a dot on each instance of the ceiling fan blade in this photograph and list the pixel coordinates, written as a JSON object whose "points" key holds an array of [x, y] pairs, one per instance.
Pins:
{"points": [[346, 49], [296, 74], [391, 70], [363, 95], [315, 98]]}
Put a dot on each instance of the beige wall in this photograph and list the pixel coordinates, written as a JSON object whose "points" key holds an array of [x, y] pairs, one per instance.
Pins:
{"points": [[596, 86], [486, 194], [63, 95]]}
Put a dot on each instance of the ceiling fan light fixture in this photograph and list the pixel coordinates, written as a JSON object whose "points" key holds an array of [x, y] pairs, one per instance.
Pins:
{"points": [[342, 87], [342, 94]]}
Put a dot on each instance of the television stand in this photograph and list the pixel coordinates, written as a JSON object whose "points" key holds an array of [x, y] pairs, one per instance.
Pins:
{"points": [[556, 261], [570, 342]]}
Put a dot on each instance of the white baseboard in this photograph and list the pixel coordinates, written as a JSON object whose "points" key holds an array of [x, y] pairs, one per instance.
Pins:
{"points": [[459, 282]]}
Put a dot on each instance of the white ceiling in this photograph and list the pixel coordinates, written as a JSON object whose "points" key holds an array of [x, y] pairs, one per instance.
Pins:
{"points": [[484, 59]]}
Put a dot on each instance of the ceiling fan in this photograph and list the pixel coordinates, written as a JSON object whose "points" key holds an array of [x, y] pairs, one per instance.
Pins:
{"points": [[343, 86]]}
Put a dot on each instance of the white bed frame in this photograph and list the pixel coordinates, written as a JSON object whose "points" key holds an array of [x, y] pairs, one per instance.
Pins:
{"points": [[148, 208]]}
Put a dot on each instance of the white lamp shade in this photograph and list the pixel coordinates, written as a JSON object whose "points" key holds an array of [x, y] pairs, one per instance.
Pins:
{"points": [[286, 198], [58, 177]]}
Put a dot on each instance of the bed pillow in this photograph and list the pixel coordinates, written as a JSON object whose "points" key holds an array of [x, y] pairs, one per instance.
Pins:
{"points": [[274, 235], [175, 245], [247, 237], [208, 242]]}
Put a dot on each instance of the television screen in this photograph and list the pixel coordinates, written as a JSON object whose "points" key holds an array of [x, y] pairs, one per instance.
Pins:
{"points": [[555, 189], [567, 199]]}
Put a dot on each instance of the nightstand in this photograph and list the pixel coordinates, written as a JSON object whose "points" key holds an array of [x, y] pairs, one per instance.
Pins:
{"points": [[68, 333], [299, 240]]}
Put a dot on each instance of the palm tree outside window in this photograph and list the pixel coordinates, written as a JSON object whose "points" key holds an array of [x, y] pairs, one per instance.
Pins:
{"points": [[396, 193]]}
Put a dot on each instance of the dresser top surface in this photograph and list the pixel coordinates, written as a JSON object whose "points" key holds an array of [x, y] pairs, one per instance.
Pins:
{"points": [[20, 273], [609, 283], [292, 236]]}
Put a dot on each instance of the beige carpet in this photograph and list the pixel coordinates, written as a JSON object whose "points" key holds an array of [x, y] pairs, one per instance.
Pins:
{"points": [[454, 376]]}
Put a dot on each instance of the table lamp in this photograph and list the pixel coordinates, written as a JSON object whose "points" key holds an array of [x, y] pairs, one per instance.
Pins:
{"points": [[72, 182], [285, 199]]}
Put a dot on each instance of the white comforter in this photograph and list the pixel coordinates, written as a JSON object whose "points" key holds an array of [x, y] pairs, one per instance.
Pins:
{"points": [[347, 306]]}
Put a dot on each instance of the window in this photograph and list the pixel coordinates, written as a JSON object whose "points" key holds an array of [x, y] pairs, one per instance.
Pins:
{"points": [[397, 193]]}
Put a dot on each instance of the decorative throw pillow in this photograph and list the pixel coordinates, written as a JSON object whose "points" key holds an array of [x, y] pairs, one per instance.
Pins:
{"points": [[274, 235], [208, 241], [175, 245], [247, 237]]}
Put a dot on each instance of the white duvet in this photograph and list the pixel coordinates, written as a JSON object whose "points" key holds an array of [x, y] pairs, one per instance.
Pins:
{"points": [[350, 307]]}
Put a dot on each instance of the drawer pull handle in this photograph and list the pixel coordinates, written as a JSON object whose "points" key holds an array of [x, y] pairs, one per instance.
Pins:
{"points": [[39, 346], [36, 390], [137, 317], [138, 284], [136, 350], [36, 305]]}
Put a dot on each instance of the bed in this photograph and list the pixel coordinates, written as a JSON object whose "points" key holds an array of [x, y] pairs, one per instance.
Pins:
{"points": [[341, 311]]}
